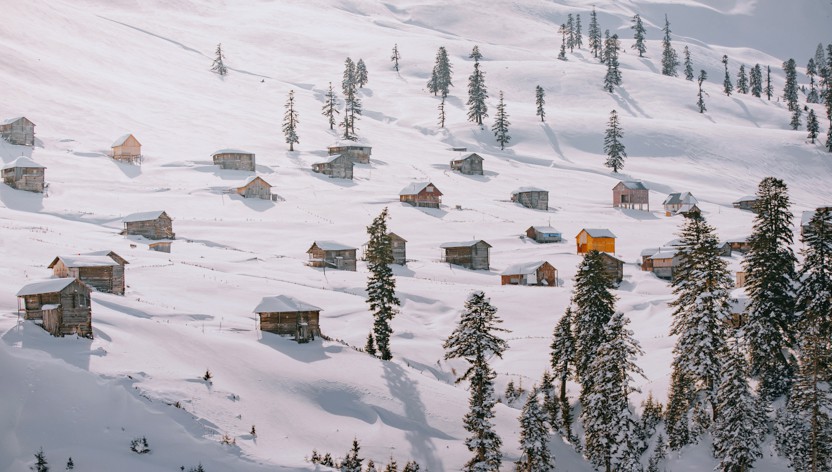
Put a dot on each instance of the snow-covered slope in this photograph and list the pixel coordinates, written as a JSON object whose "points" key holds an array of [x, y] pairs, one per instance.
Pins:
{"points": [[87, 72]]}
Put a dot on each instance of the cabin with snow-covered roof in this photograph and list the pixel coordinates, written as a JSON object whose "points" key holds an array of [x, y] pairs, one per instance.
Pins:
{"points": [[234, 159], [531, 197], [613, 267], [544, 234], [127, 149], [748, 202], [468, 165], [631, 195], [595, 239], [680, 203], [256, 187], [150, 224], [471, 254], [19, 131], [289, 316], [355, 152], [421, 194], [104, 273], [24, 174], [337, 166], [662, 261], [530, 273], [62, 306], [332, 254]]}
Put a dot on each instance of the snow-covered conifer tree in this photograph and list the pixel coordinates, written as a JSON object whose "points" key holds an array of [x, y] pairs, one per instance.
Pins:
{"points": [[562, 360], [330, 108], [290, 122], [477, 94], [579, 39], [381, 285], [570, 32], [352, 104], [564, 33], [594, 34], [638, 35], [811, 72], [703, 76], [594, 305], [727, 86], [476, 55], [394, 58], [688, 65], [540, 102], [769, 90], [790, 88], [440, 78], [670, 60], [219, 62], [613, 147], [361, 75], [756, 81], [742, 80], [535, 455], [352, 462], [812, 126], [613, 75], [501, 124]]}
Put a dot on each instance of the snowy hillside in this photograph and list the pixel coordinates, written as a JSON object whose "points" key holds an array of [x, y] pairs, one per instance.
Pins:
{"points": [[86, 72]]}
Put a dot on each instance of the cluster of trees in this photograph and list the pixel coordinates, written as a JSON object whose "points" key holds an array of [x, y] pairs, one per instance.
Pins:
{"points": [[353, 462]]}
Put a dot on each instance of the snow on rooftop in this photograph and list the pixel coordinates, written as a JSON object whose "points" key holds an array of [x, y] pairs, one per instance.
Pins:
{"points": [[283, 303], [45, 286], [143, 216], [527, 189], [470, 243], [599, 233], [633, 185], [86, 261], [230, 151], [523, 268], [333, 246], [414, 188], [23, 162], [121, 140]]}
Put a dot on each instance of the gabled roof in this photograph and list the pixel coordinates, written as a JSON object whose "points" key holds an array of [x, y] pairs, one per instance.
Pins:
{"points": [[747, 198], [545, 229], [463, 244], [650, 251], [680, 198], [395, 236], [665, 253], [416, 187], [688, 207], [252, 179], [330, 159], [632, 185], [331, 246], [523, 268], [350, 144], [598, 233], [231, 151], [282, 304], [121, 140], [23, 161], [111, 254], [472, 155], [84, 261], [16, 118], [143, 216], [45, 286], [528, 189]]}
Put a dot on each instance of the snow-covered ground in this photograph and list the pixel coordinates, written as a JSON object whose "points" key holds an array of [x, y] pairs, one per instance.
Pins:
{"points": [[87, 72]]}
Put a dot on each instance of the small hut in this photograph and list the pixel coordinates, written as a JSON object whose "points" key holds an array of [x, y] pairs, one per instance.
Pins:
{"points": [[338, 166], [680, 204], [531, 197], [127, 149], [631, 195], [749, 203], [613, 267], [256, 187], [331, 254], [665, 261], [355, 152], [288, 316], [234, 159], [471, 254], [544, 234], [150, 224], [530, 273], [399, 246], [24, 174], [421, 194], [104, 273], [595, 239], [62, 305], [19, 131], [468, 165], [739, 244]]}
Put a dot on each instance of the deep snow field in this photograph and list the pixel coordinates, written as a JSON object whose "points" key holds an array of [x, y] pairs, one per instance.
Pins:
{"points": [[86, 72]]}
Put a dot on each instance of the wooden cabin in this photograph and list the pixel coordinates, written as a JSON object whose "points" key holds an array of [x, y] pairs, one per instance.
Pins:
{"points": [[399, 246], [24, 174], [256, 187], [748, 203], [613, 267], [531, 197], [739, 244], [631, 195], [468, 165], [664, 263], [62, 306], [104, 273], [19, 131], [544, 234], [338, 166], [288, 316], [331, 254], [421, 194], [595, 239], [234, 159], [471, 254], [355, 152], [530, 273], [150, 224], [680, 204], [127, 149]]}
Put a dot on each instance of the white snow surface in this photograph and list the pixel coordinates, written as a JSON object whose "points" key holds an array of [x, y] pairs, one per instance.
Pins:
{"points": [[144, 66]]}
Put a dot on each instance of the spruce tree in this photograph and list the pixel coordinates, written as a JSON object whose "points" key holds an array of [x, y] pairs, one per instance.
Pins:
{"points": [[638, 35], [352, 462], [370, 345], [795, 121], [70, 465], [829, 138], [395, 57], [501, 124], [219, 65], [594, 306], [441, 108], [381, 286], [812, 126], [534, 438], [756, 81], [679, 402], [579, 40], [540, 102], [563, 31], [290, 121], [330, 108], [570, 32], [703, 76], [562, 359], [550, 403], [475, 340], [820, 56], [742, 80], [670, 60], [790, 88], [727, 86], [411, 466], [477, 94], [352, 104], [613, 147], [769, 90], [594, 35], [361, 75], [688, 65], [613, 75], [440, 79], [475, 54], [811, 72], [41, 465], [392, 466], [371, 466]]}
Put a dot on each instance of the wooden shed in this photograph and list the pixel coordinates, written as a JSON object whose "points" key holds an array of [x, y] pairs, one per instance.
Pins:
{"points": [[739, 244], [256, 187], [544, 234], [104, 273], [331, 254], [399, 246], [62, 305], [127, 149], [531, 197], [150, 224], [24, 174], [664, 262], [631, 195], [593, 238], [471, 254], [338, 166], [613, 267], [355, 152], [18, 130], [421, 194], [749, 203], [530, 273], [469, 165], [680, 203], [288, 316], [234, 159]]}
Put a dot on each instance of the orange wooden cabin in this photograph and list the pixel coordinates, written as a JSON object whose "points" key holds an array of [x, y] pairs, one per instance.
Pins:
{"points": [[127, 148], [598, 239]]}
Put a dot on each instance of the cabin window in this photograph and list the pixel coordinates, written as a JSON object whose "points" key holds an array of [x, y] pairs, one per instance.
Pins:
{"points": [[429, 188]]}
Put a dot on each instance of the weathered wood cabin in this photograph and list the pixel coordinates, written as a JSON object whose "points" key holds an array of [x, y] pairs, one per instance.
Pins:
{"points": [[739, 244], [127, 149], [288, 316], [256, 187], [530, 273], [680, 204], [531, 197], [399, 246], [613, 267], [25, 174], [104, 273], [471, 254], [338, 166], [421, 194], [355, 152], [593, 238], [662, 261], [544, 234], [631, 195], [150, 224], [19, 131], [468, 165], [234, 159], [331, 254], [749, 203], [62, 305]]}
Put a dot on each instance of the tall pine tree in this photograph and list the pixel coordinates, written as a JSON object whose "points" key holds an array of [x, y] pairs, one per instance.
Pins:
{"points": [[381, 286], [688, 65], [638, 35], [564, 33], [352, 462], [394, 58], [570, 32], [769, 90], [501, 124], [476, 55], [727, 86], [613, 147], [790, 87], [535, 455], [540, 102], [562, 359], [579, 40], [477, 94], [440, 79], [613, 75], [742, 80], [330, 108], [352, 104], [812, 126], [219, 62], [594, 35], [290, 122], [700, 102], [361, 75], [756, 81], [670, 60], [594, 306], [811, 72]]}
